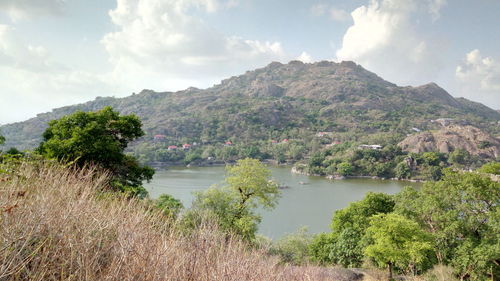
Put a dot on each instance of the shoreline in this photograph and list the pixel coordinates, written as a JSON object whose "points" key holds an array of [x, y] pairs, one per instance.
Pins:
{"points": [[162, 165], [332, 177]]}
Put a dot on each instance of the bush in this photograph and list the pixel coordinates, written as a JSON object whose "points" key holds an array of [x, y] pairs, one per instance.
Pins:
{"points": [[490, 168], [293, 248]]}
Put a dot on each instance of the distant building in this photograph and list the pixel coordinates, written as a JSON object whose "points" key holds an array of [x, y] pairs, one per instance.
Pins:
{"points": [[370, 146], [274, 141], [284, 141], [228, 143], [416, 129], [172, 147], [186, 146]]}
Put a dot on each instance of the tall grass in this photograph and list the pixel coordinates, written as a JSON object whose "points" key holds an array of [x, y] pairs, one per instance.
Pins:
{"points": [[56, 225]]}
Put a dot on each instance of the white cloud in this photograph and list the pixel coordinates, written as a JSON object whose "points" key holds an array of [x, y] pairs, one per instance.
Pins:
{"points": [[32, 81], [305, 57], [479, 78], [384, 39], [163, 39], [23, 9], [339, 14]]}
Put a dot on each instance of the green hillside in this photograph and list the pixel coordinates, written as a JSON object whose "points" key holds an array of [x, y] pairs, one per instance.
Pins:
{"points": [[280, 101]]}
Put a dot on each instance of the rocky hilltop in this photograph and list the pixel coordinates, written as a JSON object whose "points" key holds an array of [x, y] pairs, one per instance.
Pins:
{"points": [[452, 137], [280, 100]]}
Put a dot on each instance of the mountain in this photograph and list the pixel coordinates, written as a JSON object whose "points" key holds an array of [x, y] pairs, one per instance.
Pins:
{"points": [[291, 100]]}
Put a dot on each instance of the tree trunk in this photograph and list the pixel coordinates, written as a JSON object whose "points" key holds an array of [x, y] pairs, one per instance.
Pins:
{"points": [[390, 271]]}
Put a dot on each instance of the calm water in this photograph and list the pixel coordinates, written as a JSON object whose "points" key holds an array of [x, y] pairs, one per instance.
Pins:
{"points": [[311, 204]]}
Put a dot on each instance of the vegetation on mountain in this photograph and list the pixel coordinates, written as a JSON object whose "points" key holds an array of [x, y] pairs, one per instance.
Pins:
{"points": [[388, 162], [98, 138], [259, 110], [490, 168]]}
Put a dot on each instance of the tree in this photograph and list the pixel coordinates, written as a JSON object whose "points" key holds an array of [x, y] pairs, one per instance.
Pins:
{"points": [[402, 170], [490, 168], [344, 169], [293, 248], [397, 241], [459, 157], [233, 205], [222, 205], [250, 179], [99, 138], [168, 205], [2, 139], [462, 213], [344, 245]]}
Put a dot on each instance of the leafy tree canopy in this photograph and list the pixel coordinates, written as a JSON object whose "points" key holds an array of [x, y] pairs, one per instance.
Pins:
{"points": [[98, 138], [396, 240], [233, 206], [250, 179], [344, 244], [168, 205], [490, 168], [462, 213]]}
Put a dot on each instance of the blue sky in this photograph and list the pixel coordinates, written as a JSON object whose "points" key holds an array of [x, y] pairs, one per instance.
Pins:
{"points": [[60, 52]]}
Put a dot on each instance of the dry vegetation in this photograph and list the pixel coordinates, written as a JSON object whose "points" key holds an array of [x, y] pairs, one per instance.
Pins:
{"points": [[54, 225]]}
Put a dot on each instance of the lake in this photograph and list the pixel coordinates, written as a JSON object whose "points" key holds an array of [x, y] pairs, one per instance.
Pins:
{"points": [[310, 204]]}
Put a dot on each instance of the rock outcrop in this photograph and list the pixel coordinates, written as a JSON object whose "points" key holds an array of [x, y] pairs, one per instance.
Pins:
{"points": [[449, 138]]}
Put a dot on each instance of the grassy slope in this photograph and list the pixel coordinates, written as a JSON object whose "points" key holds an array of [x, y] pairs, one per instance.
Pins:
{"points": [[54, 226]]}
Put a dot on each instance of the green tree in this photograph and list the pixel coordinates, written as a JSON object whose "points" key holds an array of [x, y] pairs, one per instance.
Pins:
{"points": [[168, 205], [293, 248], [343, 245], [431, 158], [460, 157], [490, 168], [99, 138], [344, 169], [397, 241], [222, 205], [251, 180], [321, 246], [233, 205], [402, 170], [2, 140], [461, 211]]}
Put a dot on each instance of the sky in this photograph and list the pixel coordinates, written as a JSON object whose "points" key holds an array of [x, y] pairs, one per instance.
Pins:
{"points": [[61, 52]]}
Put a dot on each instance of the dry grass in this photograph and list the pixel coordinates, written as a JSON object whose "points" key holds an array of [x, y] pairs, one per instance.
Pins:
{"points": [[55, 226]]}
